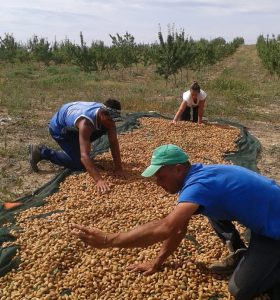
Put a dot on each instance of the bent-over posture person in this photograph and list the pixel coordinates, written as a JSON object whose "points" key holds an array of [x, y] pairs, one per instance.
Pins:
{"points": [[193, 99], [223, 192], [74, 127]]}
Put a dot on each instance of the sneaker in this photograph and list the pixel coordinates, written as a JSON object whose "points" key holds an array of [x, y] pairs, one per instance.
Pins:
{"points": [[34, 156], [228, 265]]}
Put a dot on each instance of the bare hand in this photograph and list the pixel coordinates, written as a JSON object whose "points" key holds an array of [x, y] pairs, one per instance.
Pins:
{"points": [[174, 122], [120, 173], [102, 186], [92, 237], [147, 268]]}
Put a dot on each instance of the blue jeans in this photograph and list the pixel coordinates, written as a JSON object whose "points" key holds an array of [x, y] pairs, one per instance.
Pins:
{"points": [[70, 157]]}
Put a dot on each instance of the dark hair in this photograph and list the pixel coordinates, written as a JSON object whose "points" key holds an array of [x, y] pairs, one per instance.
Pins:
{"points": [[195, 87], [112, 103], [186, 164]]}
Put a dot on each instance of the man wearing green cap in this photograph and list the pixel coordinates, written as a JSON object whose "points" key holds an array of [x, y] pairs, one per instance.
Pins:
{"points": [[220, 192]]}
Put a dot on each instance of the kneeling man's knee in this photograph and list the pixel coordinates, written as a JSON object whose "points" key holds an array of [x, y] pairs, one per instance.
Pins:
{"points": [[239, 292]]}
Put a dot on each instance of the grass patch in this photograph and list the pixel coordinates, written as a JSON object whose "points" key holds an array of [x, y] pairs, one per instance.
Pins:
{"points": [[26, 73], [234, 92], [232, 85]]}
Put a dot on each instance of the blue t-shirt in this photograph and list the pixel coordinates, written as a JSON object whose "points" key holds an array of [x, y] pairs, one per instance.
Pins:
{"points": [[226, 192], [69, 113]]}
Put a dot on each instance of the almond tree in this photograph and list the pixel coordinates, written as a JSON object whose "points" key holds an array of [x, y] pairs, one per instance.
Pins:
{"points": [[10, 50], [83, 56], [269, 53], [125, 47], [168, 61], [40, 49]]}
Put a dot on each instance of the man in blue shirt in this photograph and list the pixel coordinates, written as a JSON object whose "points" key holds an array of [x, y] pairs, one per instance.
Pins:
{"points": [[220, 192], [74, 127]]}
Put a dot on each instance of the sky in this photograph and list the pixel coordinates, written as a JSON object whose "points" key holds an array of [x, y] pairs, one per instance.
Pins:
{"points": [[58, 19]]}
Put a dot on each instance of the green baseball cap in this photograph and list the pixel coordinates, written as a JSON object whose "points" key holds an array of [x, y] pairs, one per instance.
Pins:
{"points": [[165, 155]]}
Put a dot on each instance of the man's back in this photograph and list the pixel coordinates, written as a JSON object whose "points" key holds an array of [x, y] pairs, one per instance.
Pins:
{"points": [[69, 113], [227, 192]]}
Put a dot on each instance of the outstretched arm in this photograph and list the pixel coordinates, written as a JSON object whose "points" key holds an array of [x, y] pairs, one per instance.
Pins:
{"points": [[180, 111], [142, 236]]}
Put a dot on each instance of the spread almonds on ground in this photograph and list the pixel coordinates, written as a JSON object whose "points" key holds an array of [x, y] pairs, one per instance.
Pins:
{"points": [[55, 265]]}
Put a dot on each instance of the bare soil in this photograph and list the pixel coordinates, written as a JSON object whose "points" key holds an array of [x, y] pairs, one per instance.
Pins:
{"points": [[16, 177], [269, 158]]}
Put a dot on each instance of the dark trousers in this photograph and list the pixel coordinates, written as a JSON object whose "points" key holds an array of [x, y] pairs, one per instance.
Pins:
{"points": [[70, 157], [226, 231], [186, 116], [259, 269]]}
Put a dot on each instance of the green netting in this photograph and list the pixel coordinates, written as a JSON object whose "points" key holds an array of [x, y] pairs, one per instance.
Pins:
{"points": [[7, 260], [248, 147]]}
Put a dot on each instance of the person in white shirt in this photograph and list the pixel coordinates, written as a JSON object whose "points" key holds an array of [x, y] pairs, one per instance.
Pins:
{"points": [[193, 99]]}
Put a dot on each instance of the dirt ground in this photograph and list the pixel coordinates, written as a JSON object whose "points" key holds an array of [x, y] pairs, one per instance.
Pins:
{"points": [[16, 177], [269, 158]]}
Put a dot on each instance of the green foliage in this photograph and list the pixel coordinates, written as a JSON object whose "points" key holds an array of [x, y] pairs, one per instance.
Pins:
{"points": [[269, 53], [230, 85], [238, 41], [84, 57], [61, 52], [203, 54], [147, 54], [223, 84], [41, 49], [234, 89], [10, 50], [111, 58], [168, 61], [180, 52], [21, 72], [23, 55], [209, 52], [174, 54], [125, 50], [169, 57], [107, 57]]}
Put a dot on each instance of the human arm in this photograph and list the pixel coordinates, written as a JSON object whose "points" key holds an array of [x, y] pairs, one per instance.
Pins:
{"points": [[114, 143], [180, 111], [200, 110], [142, 236], [85, 130], [168, 247]]}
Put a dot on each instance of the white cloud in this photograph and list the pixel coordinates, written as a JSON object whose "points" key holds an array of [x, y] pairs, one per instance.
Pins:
{"points": [[89, 6], [98, 18]]}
